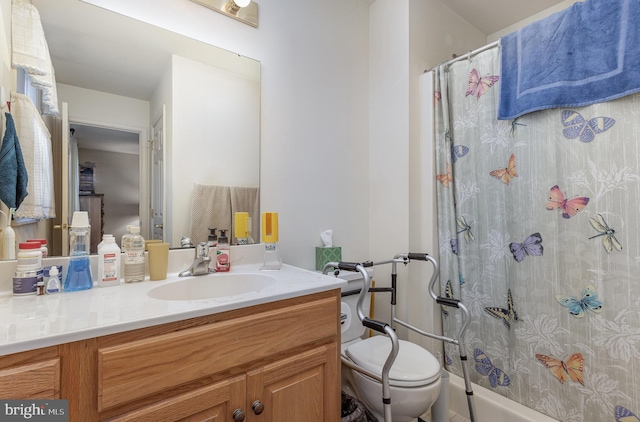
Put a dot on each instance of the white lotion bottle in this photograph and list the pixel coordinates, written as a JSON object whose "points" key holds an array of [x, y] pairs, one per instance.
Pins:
{"points": [[8, 243]]}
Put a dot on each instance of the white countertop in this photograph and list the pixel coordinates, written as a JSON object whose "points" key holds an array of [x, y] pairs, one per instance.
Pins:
{"points": [[31, 322]]}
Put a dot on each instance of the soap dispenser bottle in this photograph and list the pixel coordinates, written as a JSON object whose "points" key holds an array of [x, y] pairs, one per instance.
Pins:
{"points": [[223, 258], [212, 239]]}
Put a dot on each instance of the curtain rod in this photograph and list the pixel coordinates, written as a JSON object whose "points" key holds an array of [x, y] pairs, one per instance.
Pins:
{"points": [[469, 54]]}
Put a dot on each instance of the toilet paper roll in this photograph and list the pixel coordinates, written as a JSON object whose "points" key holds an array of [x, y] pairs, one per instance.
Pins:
{"points": [[345, 317]]}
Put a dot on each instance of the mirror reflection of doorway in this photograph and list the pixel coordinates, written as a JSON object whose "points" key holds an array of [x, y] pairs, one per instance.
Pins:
{"points": [[109, 182]]}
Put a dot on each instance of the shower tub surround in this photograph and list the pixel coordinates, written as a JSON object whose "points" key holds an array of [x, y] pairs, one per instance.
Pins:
{"points": [[490, 406]]}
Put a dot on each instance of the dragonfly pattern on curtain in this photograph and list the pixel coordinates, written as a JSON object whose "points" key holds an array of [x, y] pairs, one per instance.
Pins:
{"points": [[539, 234]]}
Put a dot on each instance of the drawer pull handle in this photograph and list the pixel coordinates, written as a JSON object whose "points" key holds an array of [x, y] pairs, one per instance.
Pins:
{"points": [[257, 407], [238, 415]]}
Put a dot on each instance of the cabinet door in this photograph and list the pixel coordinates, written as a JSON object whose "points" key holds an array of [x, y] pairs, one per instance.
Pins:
{"points": [[216, 402], [301, 388], [32, 381]]}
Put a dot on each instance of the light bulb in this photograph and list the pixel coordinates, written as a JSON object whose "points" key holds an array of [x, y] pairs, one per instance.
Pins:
{"points": [[242, 3]]}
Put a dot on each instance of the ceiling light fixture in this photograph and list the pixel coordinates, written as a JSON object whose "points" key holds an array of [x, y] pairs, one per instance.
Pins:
{"points": [[243, 10]]}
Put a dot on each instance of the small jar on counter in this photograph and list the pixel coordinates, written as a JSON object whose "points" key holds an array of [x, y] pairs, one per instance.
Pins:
{"points": [[29, 269]]}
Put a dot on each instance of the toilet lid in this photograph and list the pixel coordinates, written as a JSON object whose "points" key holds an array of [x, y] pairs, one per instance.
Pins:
{"points": [[414, 366]]}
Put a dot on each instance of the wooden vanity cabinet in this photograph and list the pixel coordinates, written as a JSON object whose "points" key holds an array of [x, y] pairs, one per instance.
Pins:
{"points": [[30, 375], [295, 389], [273, 362]]}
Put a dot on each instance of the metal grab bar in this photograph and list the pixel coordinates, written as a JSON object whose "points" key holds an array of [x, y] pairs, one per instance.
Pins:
{"points": [[405, 258], [444, 301], [373, 324]]}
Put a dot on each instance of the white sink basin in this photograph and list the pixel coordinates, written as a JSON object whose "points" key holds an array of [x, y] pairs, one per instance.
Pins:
{"points": [[211, 286]]}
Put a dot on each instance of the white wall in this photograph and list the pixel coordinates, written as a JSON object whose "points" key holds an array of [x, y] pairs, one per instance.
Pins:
{"points": [[102, 109], [406, 38], [7, 74]]}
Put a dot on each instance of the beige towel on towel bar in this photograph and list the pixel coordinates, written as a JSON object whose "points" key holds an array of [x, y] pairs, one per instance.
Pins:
{"points": [[246, 199], [210, 207]]}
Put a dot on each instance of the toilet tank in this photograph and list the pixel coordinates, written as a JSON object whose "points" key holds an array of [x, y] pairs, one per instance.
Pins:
{"points": [[351, 326]]}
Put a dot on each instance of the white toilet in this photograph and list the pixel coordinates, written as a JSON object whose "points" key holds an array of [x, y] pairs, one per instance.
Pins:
{"points": [[414, 376]]}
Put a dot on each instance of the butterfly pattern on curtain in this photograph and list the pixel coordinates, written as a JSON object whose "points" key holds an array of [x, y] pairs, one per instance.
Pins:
{"points": [[540, 238]]}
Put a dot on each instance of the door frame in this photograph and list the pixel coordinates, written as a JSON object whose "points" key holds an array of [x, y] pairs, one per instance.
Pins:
{"points": [[159, 118], [143, 147]]}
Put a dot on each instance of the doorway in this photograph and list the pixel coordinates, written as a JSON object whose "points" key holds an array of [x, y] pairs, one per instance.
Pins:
{"points": [[109, 178]]}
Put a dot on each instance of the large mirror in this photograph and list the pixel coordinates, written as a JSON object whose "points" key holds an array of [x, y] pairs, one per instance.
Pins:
{"points": [[152, 114]]}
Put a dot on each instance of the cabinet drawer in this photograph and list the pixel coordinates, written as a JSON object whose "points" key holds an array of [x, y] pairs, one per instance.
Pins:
{"points": [[213, 402], [39, 380], [137, 369]]}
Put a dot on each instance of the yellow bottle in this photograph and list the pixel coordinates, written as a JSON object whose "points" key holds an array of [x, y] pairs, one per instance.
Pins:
{"points": [[272, 259], [241, 229]]}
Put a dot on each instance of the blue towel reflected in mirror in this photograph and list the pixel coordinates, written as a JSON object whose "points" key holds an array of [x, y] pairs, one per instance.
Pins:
{"points": [[13, 173]]}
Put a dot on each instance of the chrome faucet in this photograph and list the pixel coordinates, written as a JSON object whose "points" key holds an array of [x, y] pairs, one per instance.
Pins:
{"points": [[200, 265]]}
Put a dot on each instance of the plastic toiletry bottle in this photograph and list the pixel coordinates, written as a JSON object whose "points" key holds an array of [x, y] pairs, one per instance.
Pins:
{"points": [[272, 259], [8, 242], [124, 244], [108, 262], [79, 271], [241, 227], [134, 256], [213, 249], [125, 238], [28, 273], [223, 258], [53, 282]]}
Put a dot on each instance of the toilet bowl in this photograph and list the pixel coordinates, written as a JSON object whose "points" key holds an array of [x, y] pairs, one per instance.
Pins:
{"points": [[414, 378]]}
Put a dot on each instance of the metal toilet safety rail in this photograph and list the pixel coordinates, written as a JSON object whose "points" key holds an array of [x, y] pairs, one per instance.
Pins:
{"points": [[389, 330]]}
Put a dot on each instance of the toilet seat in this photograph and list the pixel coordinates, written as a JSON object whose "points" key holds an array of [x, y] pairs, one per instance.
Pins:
{"points": [[413, 367]]}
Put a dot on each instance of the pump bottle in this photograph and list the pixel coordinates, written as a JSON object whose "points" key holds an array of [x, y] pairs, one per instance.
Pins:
{"points": [[79, 271], [223, 258], [213, 249]]}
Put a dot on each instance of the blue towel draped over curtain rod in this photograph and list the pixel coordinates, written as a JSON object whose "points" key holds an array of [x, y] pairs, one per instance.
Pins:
{"points": [[586, 54]]}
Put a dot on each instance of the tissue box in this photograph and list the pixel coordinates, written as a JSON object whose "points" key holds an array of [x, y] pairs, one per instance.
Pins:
{"points": [[325, 254]]}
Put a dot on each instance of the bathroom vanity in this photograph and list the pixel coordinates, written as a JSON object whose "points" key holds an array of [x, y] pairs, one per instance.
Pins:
{"points": [[267, 355]]}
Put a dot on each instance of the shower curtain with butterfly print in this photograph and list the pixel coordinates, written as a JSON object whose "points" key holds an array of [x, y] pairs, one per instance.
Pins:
{"points": [[539, 234]]}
